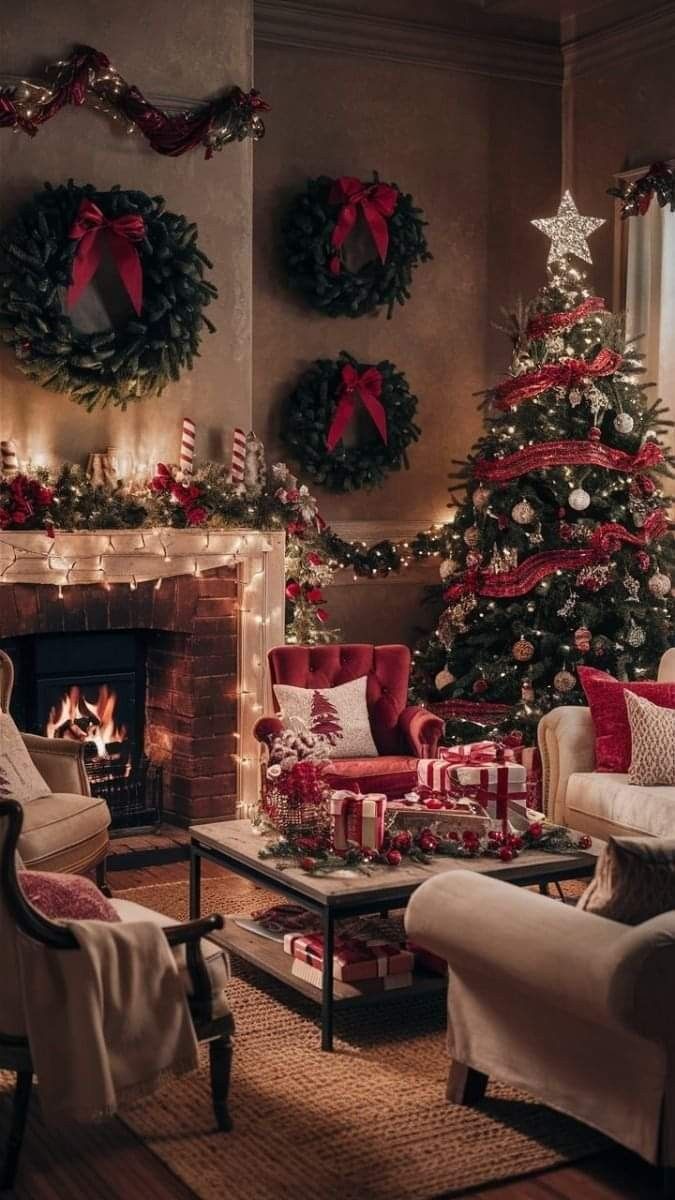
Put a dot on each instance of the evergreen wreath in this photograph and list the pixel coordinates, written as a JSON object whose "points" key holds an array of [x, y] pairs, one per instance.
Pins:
{"points": [[310, 415], [313, 260], [115, 366]]}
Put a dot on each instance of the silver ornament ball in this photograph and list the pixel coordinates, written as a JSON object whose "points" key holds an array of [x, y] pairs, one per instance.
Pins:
{"points": [[623, 422], [481, 498], [523, 513], [579, 499], [564, 681]]}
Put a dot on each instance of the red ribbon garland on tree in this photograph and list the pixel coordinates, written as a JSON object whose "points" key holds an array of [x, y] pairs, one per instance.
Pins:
{"points": [[377, 202], [91, 228], [545, 323], [565, 454], [367, 387], [563, 375], [523, 578]]}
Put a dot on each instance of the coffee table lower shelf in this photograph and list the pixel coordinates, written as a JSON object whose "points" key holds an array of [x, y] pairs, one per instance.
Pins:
{"points": [[269, 956]]}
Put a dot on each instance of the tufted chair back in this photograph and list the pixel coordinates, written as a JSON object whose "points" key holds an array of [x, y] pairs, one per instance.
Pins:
{"points": [[387, 668]]}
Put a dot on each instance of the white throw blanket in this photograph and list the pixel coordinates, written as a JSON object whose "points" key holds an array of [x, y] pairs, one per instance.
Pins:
{"points": [[104, 1021]]}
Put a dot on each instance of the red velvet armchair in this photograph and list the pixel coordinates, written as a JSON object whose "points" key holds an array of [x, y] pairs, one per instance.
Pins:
{"points": [[402, 733]]}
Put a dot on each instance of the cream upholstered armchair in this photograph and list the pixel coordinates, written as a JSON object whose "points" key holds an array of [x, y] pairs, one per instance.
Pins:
{"points": [[599, 803], [68, 829], [571, 1007], [203, 969]]}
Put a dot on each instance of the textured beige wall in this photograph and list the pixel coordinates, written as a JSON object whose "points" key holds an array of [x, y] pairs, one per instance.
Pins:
{"points": [[153, 46], [481, 156]]}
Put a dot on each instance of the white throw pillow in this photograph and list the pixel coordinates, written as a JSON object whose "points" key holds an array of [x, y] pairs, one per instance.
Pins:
{"points": [[652, 731], [21, 779], [340, 713]]}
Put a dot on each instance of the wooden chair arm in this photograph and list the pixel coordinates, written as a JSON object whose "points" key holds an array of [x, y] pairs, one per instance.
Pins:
{"points": [[28, 919], [192, 931]]}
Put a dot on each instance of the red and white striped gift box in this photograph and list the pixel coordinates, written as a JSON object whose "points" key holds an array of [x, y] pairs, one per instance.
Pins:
{"points": [[499, 787], [353, 958], [357, 818]]}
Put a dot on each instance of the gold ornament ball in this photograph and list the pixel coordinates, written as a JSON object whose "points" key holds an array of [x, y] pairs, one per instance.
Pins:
{"points": [[481, 498], [582, 639], [443, 679], [523, 513], [659, 584], [522, 650], [447, 568], [564, 681], [472, 535]]}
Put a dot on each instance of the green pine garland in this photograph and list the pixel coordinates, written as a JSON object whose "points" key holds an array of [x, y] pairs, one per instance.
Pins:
{"points": [[308, 252], [310, 409], [113, 366]]}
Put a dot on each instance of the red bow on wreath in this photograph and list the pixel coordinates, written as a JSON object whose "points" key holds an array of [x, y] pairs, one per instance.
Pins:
{"points": [[377, 201], [122, 233], [367, 386]]}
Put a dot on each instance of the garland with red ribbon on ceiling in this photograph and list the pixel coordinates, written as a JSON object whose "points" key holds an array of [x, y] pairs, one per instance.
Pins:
{"points": [[319, 245], [51, 252], [88, 77], [349, 424]]}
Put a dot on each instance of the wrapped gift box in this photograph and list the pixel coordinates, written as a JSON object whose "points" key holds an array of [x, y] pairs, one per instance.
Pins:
{"points": [[354, 959], [427, 959], [358, 818], [499, 787], [384, 983]]}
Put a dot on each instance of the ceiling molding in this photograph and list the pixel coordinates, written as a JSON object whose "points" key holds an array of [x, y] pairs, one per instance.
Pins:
{"points": [[313, 26], [630, 39]]}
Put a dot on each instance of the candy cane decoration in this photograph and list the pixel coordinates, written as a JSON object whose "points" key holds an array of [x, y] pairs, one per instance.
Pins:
{"points": [[238, 456], [10, 462], [187, 446]]}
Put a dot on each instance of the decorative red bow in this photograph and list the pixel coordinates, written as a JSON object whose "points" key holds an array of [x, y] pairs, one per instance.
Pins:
{"points": [[566, 375], [121, 233], [377, 200], [368, 387]]}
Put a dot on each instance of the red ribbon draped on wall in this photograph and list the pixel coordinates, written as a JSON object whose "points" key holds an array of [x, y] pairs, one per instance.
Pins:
{"points": [[565, 454], [563, 375], [367, 388], [121, 233], [377, 202]]}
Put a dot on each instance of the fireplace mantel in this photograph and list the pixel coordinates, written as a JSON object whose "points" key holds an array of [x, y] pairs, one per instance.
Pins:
{"points": [[41, 575]]}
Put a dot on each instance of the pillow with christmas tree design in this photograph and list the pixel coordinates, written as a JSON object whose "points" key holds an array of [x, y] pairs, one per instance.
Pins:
{"points": [[339, 713]]}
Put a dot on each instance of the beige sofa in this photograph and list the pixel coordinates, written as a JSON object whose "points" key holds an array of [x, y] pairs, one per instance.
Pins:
{"points": [[67, 830], [598, 803]]}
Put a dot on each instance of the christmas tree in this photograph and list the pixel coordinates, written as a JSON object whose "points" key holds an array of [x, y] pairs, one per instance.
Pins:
{"points": [[325, 720], [559, 552]]}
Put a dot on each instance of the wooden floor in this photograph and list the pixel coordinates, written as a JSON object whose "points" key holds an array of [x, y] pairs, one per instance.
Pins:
{"points": [[108, 1162]]}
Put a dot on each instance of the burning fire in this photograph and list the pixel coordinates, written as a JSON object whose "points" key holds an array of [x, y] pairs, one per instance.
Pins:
{"points": [[78, 720]]}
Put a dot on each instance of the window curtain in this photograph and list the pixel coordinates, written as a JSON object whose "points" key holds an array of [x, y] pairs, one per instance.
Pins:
{"points": [[650, 296]]}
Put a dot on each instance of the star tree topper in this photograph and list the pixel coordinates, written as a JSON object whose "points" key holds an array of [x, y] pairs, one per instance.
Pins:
{"points": [[568, 231]]}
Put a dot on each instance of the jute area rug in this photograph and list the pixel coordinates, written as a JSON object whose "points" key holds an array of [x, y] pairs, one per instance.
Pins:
{"points": [[368, 1122]]}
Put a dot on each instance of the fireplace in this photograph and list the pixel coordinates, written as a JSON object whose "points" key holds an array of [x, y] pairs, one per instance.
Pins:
{"points": [[150, 648], [90, 688]]}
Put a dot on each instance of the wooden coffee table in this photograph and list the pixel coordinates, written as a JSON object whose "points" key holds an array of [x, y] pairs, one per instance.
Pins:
{"points": [[235, 846]]}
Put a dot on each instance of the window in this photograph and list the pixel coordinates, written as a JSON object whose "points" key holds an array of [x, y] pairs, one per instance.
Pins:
{"points": [[650, 295]]}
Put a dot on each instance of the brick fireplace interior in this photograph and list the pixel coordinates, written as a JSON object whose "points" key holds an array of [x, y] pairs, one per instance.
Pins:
{"points": [[146, 677]]}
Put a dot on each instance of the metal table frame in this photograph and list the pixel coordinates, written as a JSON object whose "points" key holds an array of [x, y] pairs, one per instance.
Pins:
{"points": [[340, 906]]}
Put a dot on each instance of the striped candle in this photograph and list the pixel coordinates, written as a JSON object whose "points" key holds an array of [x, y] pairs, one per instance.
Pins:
{"points": [[10, 462], [187, 446], [238, 456]]}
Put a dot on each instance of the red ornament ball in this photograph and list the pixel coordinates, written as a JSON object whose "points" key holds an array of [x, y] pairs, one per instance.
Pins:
{"points": [[402, 841], [480, 686], [427, 841], [643, 560], [585, 842], [536, 830], [582, 639], [522, 650], [506, 854], [594, 434], [394, 858], [307, 864]]}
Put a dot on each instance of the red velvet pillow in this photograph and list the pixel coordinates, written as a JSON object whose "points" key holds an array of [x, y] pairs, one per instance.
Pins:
{"points": [[66, 897], [605, 696]]}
